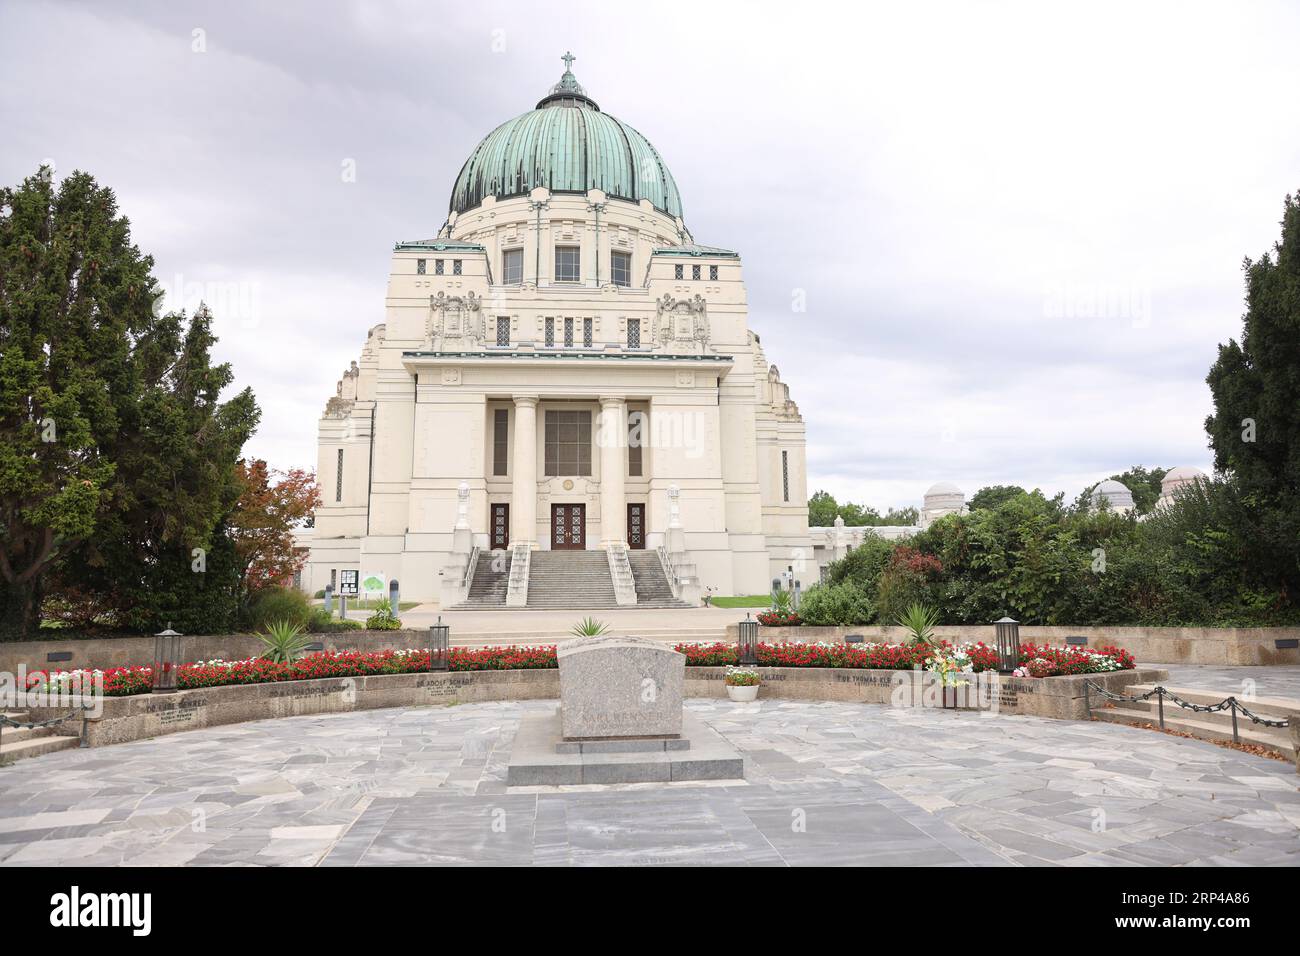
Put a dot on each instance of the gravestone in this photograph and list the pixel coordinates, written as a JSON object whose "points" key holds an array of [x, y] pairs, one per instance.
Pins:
{"points": [[620, 720], [620, 687]]}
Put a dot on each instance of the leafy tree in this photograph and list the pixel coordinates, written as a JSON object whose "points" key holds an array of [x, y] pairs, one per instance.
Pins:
{"points": [[900, 517], [116, 456], [993, 495], [1145, 485], [1255, 428], [822, 509], [271, 505]]}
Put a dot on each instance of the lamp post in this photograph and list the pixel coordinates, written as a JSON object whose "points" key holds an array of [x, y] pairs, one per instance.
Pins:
{"points": [[439, 641], [1008, 633], [166, 650], [748, 641]]}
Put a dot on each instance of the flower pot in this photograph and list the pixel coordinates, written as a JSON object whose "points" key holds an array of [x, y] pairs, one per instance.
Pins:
{"points": [[742, 694]]}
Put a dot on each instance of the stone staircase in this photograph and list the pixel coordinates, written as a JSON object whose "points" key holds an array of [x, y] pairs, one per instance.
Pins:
{"points": [[1211, 726], [571, 579], [490, 582], [652, 587], [19, 742]]}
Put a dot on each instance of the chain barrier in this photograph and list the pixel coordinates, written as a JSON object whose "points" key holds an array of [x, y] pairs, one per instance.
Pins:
{"points": [[35, 724], [1159, 692]]}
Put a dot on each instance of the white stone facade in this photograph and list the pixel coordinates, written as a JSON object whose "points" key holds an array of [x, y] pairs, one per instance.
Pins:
{"points": [[474, 379]]}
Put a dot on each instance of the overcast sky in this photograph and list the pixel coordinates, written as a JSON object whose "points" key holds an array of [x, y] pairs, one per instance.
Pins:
{"points": [[1019, 230]]}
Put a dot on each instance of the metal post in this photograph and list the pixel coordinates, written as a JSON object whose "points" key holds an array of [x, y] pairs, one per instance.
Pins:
{"points": [[85, 726], [343, 607], [1087, 700], [1160, 705], [329, 599], [1236, 738]]}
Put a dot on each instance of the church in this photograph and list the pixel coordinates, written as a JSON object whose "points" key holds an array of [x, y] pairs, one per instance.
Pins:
{"points": [[564, 405]]}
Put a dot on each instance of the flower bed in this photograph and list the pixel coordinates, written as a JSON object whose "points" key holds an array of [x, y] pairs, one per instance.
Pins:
{"points": [[1035, 660], [128, 681]]}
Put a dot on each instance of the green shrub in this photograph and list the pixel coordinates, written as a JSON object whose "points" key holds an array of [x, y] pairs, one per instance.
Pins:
{"points": [[279, 604], [836, 605], [283, 643], [323, 622], [383, 619]]}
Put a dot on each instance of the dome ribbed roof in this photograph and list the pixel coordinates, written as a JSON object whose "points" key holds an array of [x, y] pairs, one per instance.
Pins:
{"points": [[569, 146]]}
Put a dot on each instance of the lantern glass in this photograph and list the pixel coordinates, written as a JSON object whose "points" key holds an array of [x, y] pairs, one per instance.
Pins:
{"points": [[1008, 641], [748, 641], [166, 656], [439, 642]]}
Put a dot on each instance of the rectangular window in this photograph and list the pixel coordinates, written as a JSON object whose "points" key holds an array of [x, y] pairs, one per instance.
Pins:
{"points": [[634, 333], [503, 330], [635, 433], [455, 267], [568, 333], [568, 443], [567, 264], [587, 329], [785, 475], [620, 268], [500, 440], [550, 333], [695, 273], [437, 267], [419, 266], [512, 266], [713, 273], [677, 271], [338, 478]]}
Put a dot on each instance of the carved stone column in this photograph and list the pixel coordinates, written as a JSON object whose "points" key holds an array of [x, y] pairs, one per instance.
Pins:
{"points": [[612, 437], [523, 497]]}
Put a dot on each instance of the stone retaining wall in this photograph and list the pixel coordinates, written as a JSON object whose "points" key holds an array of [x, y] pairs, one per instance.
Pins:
{"points": [[152, 715], [105, 652], [1149, 645]]}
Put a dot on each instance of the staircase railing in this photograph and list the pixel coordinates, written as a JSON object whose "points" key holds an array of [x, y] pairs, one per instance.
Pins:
{"points": [[470, 567], [620, 573], [666, 561], [520, 561]]}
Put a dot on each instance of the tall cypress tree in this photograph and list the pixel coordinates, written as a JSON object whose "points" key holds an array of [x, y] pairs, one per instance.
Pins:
{"points": [[1255, 428], [114, 445]]}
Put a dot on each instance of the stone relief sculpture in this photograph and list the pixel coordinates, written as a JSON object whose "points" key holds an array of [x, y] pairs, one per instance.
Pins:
{"points": [[682, 325], [455, 323]]}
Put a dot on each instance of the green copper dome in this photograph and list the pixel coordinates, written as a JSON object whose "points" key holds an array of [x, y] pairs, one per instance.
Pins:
{"points": [[569, 146]]}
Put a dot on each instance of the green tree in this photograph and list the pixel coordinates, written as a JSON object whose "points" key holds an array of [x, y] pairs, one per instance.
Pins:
{"points": [[1145, 485], [1255, 428], [822, 509], [116, 456], [993, 495]]}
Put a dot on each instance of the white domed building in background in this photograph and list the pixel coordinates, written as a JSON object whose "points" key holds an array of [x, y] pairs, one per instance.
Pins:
{"points": [[1176, 478], [943, 498], [1113, 493], [562, 368]]}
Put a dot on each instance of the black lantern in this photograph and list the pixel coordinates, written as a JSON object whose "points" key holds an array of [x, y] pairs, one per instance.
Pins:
{"points": [[439, 641], [748, 643], [1008, 632], [166, 655]]}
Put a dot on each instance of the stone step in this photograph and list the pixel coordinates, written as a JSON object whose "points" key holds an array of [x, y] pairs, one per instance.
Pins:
{"points": [[1271, 707], [33, 746], [14, 734], [1198, 726]]}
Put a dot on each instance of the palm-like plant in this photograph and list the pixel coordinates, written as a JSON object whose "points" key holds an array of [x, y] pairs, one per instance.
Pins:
{"points": [[782, 602], [919, 621], [589, 627], [283, 641]]}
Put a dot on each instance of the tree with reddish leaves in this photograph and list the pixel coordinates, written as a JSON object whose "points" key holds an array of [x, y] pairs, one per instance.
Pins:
{"points": [[272, 504]]}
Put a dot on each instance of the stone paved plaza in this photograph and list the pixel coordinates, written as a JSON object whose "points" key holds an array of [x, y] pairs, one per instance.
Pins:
{"points": [[827, 783]]}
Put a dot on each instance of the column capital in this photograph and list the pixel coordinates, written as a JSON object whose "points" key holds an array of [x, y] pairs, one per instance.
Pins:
{"points": [[527, 400], [612, 401]]}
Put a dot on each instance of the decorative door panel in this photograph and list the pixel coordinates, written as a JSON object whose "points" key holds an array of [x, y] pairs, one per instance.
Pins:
{"points": [[636, 525], [568, 527], [500, 527]]}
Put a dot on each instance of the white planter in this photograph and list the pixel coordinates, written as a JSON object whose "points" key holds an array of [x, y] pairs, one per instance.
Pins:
{"points": [[743, 694]]}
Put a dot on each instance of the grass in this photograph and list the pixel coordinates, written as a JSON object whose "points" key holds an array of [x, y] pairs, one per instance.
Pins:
{"points": [[743, 600], [355, 604]]}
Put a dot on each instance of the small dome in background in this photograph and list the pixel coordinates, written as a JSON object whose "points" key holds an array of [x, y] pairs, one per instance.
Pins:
{"points": [[944, 488], [1114, 493], [1177, 477]]}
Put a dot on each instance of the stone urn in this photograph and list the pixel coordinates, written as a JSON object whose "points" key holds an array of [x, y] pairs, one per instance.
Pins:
{"points": [[743, 695]]}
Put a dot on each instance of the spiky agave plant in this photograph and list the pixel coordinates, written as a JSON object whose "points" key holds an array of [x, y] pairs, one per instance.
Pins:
{"points": [[283, 642], [919, 621], [589, 627]]}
